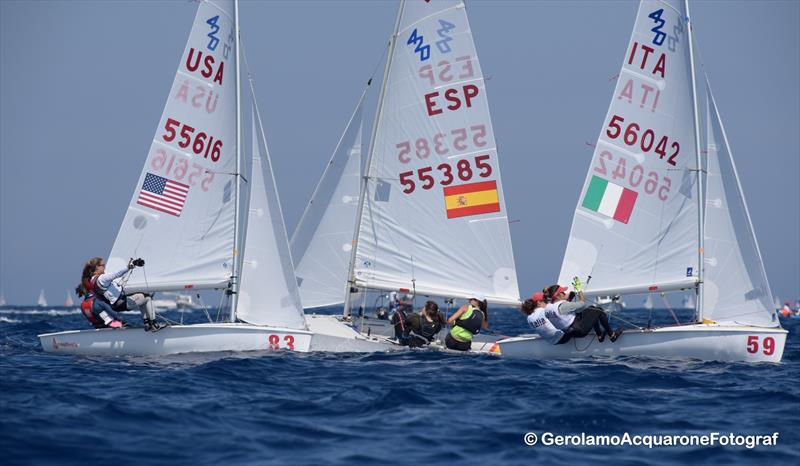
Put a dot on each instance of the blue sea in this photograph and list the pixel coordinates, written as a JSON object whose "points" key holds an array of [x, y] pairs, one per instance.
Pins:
{"points": [[417, 407]]}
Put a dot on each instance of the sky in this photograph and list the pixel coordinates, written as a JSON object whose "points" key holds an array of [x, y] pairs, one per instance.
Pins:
{"points": [[83, 84]]}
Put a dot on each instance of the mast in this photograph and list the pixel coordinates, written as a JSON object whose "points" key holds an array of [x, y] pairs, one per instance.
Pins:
{"points": [[700, 191], [235, 272], [362, 198]]}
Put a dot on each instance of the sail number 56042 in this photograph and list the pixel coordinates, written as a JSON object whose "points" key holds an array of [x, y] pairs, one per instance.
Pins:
{"points": [[768, 344], [646, 140]]}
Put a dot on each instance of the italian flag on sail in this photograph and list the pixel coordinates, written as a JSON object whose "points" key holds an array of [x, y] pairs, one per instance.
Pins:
{"points": [[609, 199]]}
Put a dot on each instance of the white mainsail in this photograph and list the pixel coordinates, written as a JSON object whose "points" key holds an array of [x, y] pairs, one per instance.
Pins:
{"points": [[180, 218], [433, 216], [41, 302], [635, 225], [322, 242], [736, 286], [69, 302], [268, 293]]}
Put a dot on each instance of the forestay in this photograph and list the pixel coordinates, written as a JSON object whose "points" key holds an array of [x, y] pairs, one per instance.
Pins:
{"points": [[181, 216], [635, 227], [735, 282], [322, 242], [268, 292], [434, 216]]}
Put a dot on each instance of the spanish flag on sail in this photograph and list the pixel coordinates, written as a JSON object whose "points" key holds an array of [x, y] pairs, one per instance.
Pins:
{"points": [[471, 199]]}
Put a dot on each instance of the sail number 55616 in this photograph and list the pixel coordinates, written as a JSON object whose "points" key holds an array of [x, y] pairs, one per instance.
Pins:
{"points": [[768, 344], [202, 144]]}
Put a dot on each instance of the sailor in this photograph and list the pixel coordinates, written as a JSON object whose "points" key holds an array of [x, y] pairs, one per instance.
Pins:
{"points": [[534, 308], [400, 322], [97, 312], [467, 322], [424, 326], [109, 291], [579, 318]]}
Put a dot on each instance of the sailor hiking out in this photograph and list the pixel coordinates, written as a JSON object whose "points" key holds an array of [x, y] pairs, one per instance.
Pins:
{"points": [[466, 322]]}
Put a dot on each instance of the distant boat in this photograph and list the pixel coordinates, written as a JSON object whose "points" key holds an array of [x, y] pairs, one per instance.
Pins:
{"points": [[170, 300], [42, 302], [688, 302], [648, 303], [69, 302], [2, 299]]}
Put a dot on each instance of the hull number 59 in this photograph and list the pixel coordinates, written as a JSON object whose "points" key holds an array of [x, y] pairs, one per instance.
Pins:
{"points": [[768, 345]]}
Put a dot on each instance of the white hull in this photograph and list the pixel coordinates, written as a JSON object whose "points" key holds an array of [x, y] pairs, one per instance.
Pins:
{"points": [[325, 334], [332, 335], [709, 342], [176, 339]]}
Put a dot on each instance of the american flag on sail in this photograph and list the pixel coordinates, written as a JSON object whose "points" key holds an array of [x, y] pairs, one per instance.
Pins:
{"points": [[163, 195]]}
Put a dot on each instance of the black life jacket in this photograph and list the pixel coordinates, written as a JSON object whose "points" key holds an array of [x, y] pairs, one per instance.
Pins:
{"points": [[428, 329], [472, 324], [400, 326]]}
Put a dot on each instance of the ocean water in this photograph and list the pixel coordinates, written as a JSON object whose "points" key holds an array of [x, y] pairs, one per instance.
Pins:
{"points": [[418, 407]]}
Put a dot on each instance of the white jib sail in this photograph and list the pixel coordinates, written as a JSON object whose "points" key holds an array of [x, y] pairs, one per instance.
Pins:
{"points": [[736, 286], [635, 227], [181, 216], [268, 292], [434, 217], [322, 242]]}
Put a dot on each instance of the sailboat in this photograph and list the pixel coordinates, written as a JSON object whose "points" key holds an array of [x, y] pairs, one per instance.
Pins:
{"points": [[430, 216], [656, 214], [648, 303], [205, 220], [41, 301], [68, 302], [2, 299], [688, 302]]}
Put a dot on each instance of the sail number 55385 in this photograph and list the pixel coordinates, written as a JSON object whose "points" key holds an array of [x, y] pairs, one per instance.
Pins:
{"points": [[463, 169], [768, 344]]}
